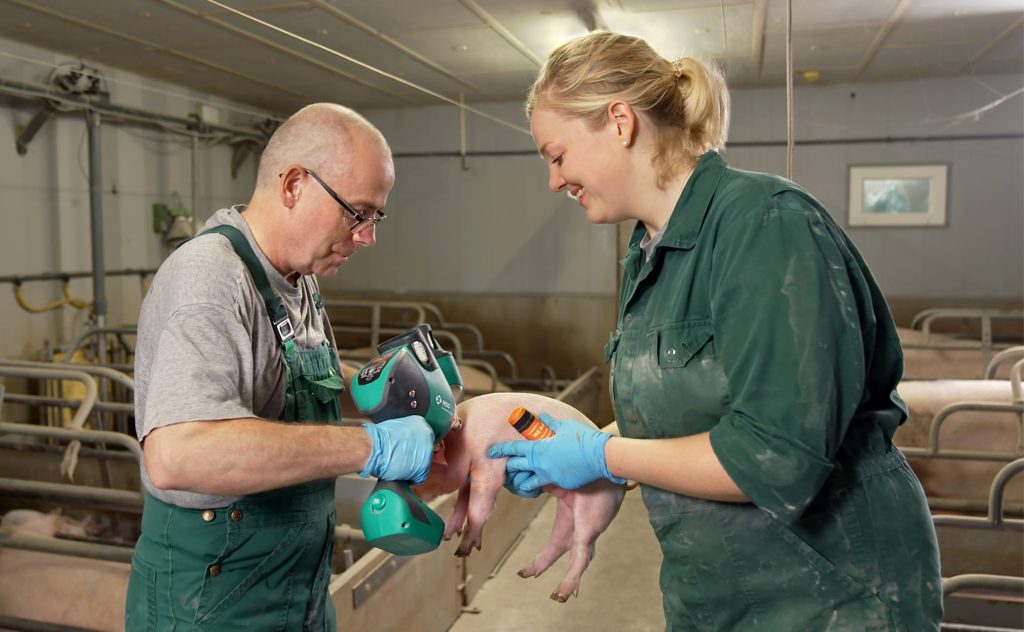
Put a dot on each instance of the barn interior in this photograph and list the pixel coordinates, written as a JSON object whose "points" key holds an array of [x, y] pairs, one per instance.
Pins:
{"points": [[126, 124]]}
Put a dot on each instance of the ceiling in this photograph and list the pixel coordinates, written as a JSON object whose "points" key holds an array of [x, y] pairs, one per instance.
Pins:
{"points": [[490, 50]]}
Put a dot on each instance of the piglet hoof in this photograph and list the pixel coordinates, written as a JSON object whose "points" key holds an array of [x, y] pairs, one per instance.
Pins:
{"points": [[555, 596]]}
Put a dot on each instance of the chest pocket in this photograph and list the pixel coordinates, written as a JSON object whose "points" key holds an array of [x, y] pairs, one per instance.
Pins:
{"points": [[679, 343]]}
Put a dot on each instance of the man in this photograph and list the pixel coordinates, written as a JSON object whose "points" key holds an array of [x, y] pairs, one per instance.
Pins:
{"points": [[237, 393]]}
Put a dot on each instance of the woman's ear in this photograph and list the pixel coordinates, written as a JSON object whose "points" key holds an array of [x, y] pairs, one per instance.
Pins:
{"points": [[621, 114]]}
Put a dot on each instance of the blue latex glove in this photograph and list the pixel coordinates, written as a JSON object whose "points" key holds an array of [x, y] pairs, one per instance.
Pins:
{"points": [[401, 449], [514, 482], [570, 459]]}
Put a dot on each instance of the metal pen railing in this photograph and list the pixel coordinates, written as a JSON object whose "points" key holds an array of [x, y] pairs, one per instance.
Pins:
{"points": [[987, 585], [924, 319], [1015, 407]]}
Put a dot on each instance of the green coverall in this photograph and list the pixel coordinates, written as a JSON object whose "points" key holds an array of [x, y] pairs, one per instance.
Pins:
{"points": [[756, 319], [263, 562]]}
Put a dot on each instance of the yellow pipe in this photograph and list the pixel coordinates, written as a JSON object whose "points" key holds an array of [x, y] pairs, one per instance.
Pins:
{"points": [[74, 302], [35, 310]]}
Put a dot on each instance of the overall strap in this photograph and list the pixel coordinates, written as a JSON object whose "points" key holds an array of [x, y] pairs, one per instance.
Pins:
{"points": [[275, 306]]}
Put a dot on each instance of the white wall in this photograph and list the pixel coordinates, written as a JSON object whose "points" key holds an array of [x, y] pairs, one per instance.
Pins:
{"points": [[44, 217], [978, 253], [495, 228]]}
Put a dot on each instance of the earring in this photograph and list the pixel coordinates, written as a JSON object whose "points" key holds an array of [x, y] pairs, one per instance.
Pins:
{"points": [[625, 143]]}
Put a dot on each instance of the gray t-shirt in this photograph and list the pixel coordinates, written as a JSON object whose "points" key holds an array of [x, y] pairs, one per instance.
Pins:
{"points": [[206, 349]]}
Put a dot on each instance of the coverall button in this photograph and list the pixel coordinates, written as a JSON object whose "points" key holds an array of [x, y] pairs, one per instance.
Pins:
{"points": [[236, 515], [209, 515], [215, 570]]}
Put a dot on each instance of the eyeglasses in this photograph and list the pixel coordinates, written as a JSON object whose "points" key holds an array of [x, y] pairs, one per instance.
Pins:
{"points": [[361, 221]]}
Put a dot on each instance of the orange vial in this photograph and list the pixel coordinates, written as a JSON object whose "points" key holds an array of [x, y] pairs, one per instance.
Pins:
{"points": [[529, 426]]}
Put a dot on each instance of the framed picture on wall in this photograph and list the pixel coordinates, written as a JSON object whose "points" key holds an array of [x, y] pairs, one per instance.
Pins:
{"points": [[898, 195]]}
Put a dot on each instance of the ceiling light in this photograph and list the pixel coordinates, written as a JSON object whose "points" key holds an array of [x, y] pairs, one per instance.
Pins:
{"points": [[810, 75], [960, 13], [321, 32], [460, 48], [703, 30]]}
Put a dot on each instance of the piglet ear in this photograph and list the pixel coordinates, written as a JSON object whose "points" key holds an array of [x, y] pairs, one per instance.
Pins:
{"points": [[438, 456]]}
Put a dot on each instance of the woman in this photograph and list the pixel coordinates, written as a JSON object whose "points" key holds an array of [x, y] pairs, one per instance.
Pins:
{"points": [[753, 366]]}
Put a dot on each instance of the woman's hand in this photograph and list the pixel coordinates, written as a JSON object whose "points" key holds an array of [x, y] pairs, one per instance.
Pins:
{"points": [[571, 459]]}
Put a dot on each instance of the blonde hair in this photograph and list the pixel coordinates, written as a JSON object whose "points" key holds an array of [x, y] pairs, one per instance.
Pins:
{"points": [[318, 137], [686, 98]]}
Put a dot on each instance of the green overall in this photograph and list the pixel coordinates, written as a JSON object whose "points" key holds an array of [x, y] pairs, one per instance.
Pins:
{"points": [[263, 562], [756, 320]]}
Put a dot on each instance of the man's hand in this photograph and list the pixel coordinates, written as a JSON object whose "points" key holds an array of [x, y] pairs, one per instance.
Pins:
{"points": [[570, 459], [401, 449]]}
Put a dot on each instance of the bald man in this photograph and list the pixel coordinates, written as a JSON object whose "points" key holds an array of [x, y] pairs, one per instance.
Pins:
{"points": [[237, 393]]}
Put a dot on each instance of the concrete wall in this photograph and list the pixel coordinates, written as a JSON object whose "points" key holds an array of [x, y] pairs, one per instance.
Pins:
{"points": [[489, 241], [45, 221]]}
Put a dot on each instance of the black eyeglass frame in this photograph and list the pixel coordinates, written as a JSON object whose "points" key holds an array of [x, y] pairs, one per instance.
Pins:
{"points": [[362, 222]]}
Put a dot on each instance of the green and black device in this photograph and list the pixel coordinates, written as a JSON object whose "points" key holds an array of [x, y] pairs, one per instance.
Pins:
{"points": [[412, 375]]}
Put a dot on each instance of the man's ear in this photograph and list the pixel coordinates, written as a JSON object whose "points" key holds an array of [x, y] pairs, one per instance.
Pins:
{"points": [[622, 115], [290, 185]]}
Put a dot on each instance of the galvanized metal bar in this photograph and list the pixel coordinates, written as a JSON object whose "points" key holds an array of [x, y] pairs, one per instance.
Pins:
{"points": [[998, 583], [117, 499], [88, 401], [98, 332], [99, 280], [69, 434], [17, 539], [92, 369], [947, 411], [27, 625], [1011, 354], [64, 276], [994, 520], [60, 402], [960, 455]]}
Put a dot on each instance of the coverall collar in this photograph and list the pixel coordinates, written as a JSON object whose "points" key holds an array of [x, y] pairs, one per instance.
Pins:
{"points": [[688, 215]]}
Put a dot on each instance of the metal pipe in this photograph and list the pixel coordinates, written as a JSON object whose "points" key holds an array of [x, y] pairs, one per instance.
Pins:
{"points": [[1000, 583], [92, 369], [116, 499], [947, 411], [88, 401], [98, 331], [67, 434], [348, 532], [64, 276], [90, 453], [1013, 353], [28, 625], [99, 287], [789, 89], [195, 179], [18, 88], [17, 539], [42, 115], [61, 402], [994, 520]]}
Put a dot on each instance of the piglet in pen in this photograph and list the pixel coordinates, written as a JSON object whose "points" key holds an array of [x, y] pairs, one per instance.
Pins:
{"points": [[581, 516]]}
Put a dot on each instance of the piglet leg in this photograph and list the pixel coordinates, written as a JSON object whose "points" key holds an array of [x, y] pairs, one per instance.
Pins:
{"points": [[487, 481], [457, 520], [595, 506], [558, 543]]}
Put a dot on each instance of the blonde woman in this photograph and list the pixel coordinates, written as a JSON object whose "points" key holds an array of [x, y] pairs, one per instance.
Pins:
{"points": [[754, 364]]}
